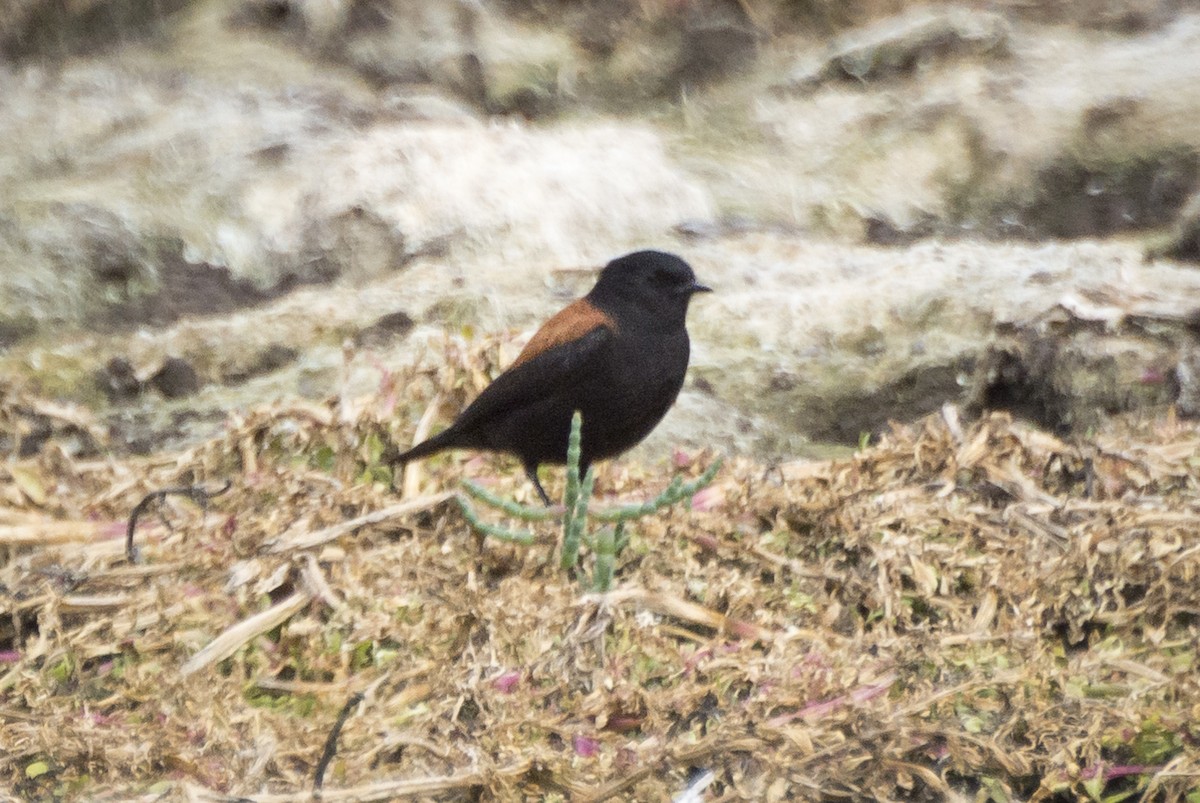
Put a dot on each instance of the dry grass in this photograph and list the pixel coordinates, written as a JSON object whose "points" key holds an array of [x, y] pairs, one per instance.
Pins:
{"points": [[977, 611]]}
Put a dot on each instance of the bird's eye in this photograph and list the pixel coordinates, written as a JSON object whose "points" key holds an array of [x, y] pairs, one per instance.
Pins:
{"points": [[662, 278]]}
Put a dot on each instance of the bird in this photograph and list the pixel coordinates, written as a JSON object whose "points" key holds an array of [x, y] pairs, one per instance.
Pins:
{"points": [[618, 356]]}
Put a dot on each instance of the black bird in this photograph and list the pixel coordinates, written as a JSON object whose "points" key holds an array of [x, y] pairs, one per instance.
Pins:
{"points": [[618, 355]]}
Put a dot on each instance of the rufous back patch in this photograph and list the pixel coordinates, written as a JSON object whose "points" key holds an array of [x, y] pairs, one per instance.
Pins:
{"points": [[572, 323]]}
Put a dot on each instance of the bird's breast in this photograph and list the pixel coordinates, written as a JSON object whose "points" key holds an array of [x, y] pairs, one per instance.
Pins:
{"points": [[638, 387]]}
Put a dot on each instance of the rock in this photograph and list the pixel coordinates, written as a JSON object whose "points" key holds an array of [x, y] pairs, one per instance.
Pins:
{"points": [[881, 230], [390, 327], [1187, 375], [52, 29], [15, 327], [267, 361], [1066, 135], [920, 391], [1122, 16], [900, 45], [1086, 196], [1187, 370], [118, 380], [829, 342], [310, 185], [717, 40], [1022, 377], [202, 190], [176, 379], [389, 42], [1184, 242], [189, 289], [1066, 372]]}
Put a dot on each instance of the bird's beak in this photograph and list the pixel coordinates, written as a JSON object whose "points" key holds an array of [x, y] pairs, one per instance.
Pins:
{"points": [[700, 288]]}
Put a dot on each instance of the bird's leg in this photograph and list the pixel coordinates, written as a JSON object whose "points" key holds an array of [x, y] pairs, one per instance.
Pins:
{"points": [[531, 473]]}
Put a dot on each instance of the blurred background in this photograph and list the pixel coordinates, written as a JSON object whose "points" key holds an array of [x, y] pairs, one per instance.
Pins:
{"points": [[207, 205]]}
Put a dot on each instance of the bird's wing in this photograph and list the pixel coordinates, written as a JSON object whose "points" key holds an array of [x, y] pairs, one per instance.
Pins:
{"points": [[571, 323], [536, 376]]}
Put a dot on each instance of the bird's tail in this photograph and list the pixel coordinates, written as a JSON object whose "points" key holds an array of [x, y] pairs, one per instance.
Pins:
{"points": [[443, 440]]}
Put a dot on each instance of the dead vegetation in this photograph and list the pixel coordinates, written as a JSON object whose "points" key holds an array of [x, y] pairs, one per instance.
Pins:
{"points": [[981, 611]]}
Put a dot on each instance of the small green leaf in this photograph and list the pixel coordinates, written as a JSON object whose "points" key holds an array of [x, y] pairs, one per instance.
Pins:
{"points": [[36, 770], [996, 790], [374, 445], [324, 458], [61, 671], [363, 652]]}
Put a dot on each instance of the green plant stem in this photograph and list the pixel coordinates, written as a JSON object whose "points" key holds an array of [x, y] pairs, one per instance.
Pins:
{"points": [[575, 526], [674, 492], [512, 508], [609, 543], [511, 536], [577, 496], [572, 525]]}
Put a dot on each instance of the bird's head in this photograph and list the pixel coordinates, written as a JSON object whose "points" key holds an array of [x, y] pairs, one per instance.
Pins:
{"points": [[647, 285]]}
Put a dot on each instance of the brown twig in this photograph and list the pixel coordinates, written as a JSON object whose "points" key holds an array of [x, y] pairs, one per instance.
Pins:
{"points": [[331, 742], [196, 493], [305, 540]]}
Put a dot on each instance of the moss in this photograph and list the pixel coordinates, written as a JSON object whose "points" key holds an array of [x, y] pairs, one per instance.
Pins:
{"points": [[458, 313], [59, 375]]}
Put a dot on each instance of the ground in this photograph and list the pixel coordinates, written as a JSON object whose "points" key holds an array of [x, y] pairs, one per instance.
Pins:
{"points": [[964, 610]]}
